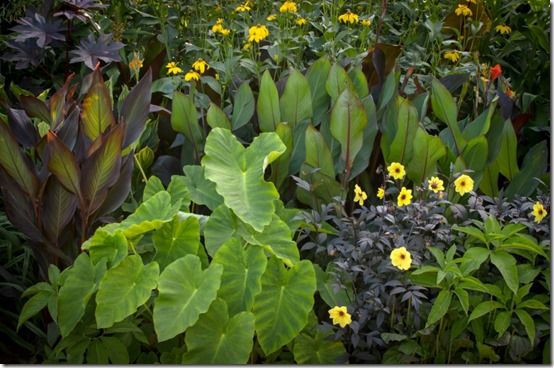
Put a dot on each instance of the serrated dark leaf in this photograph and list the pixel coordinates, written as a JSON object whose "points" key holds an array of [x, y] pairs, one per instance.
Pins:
{"points": [[90, 51], [78, 9], [24, 54], [36, 26]]}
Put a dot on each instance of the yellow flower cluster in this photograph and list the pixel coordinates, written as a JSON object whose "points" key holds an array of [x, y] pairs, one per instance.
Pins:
{"points": [[503, 29], [365, 22], [192, 75], [257, 33], [359, 195], [271, 17], [453, 56], [173, 69], [401, 258], [301, 21], [288, 7], [200, 66], [539, 212], [348, 17], [218, 28], [340, 316], [136, 63], [381, 193], [244, 7], [463, 10]]}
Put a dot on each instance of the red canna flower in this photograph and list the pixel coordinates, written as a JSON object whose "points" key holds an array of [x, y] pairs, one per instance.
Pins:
{"points": [[496, 71]]}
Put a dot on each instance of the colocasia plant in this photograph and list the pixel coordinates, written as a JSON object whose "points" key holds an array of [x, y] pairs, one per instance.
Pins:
{"points": [[66, 162]]}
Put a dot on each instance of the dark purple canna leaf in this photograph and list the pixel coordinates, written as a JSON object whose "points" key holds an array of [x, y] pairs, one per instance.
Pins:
{"points": [[57, 103], [96, 111], [134, 111], [63, 165], [19, 208], [36, 108], [101, 170], [15, 164], [68, 130], [90, 51], [38, 27], [58, 208], [24, 54], [22, 127], [120, 190]]}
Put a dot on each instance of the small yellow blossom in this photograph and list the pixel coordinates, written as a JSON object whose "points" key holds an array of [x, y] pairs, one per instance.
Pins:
{"points": [[396, 170], [243, 7], [503, 29], [192, 75], [173, 69], [257, 33], [463, 10], [301, 21], [435, 184], [539, 212], [247, 46], [348, 17], [340, 316], [453, 56], [404, 197], [136, 63], [365, 22], [200, 66], [464, 184], [359, 195], [381, 193], [288, 7], [218, 28], [401, 258], [271, 17]]}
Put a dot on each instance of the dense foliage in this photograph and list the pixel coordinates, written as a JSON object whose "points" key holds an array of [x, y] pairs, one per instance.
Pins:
{"points": [[275, 181]]}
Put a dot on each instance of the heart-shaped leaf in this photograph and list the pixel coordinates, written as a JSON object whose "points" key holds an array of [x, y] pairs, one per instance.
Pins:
{"points": [[282, 308], [238, 174], [218, 339], [123, 289], [242, 274], [185, 292], [176, 239]]}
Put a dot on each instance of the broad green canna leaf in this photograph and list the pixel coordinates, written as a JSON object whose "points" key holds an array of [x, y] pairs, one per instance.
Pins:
{"points": [[216, 118], [269, 113], [337, 81], [123, 289], [219, 339], [243, 106], [348, 120], [445, 109], [282, 308], [239, 174], [427, 150], [281, 166], [185, 292], [317, 76], [242, 274], [184, 119], [96, 114], [296, 101]]}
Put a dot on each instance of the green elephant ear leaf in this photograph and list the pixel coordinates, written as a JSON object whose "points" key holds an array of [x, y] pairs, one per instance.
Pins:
{"points": [[103, 245], [202, 191], [221, 225], [176, 239], [239, 174], [319, 349], [123, 289], [218, 339], [185, 292], [150, 215], [81, 282], [242, 274], [282, 308]]}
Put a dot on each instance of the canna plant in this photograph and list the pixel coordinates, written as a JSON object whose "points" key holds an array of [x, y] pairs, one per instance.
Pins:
{"points": [[68, 161], [203, 302]]}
